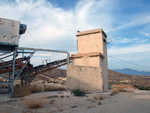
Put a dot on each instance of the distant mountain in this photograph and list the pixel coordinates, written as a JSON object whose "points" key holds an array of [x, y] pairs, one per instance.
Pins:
{"points": [[119, 78], [132, 72]]}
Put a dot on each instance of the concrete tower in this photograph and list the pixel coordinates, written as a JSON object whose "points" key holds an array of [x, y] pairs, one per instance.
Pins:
{"points": [[89, 70]]}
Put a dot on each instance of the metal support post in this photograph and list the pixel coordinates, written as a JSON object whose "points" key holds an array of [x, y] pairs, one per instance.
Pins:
{"points": [[68, 58], [13, 73]]}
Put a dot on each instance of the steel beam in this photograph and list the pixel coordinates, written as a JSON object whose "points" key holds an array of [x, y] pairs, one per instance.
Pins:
{"points": [[48, 50], [4, 77]]}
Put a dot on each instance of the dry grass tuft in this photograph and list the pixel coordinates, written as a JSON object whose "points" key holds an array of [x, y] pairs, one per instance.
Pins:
{"points": [[21, 91], [115, 90], [36, 89], [60, 109], [129, 90], [51, 101], [88, 99], [121, 89], [98, 97], [93, 101], [61, 96], [35, 102], [30, 111], [99, 103], [50, 88], [67, 96]]}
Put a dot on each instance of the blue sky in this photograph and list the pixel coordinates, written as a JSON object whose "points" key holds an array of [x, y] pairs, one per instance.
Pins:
{"points": [[53, 24]]}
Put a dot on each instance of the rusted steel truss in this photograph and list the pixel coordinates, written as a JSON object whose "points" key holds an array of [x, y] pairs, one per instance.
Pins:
{"points": [[21, 68]]}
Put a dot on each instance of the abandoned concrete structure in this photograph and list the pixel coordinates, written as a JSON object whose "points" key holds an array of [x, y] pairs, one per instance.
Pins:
{"points": [[88, 70]]}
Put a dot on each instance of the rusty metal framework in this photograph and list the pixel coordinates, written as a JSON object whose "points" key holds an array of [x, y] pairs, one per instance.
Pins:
{"points": [[21, 68]]}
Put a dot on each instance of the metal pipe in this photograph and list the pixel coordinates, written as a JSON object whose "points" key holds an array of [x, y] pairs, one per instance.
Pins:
{"points": [[6, 56], [38, 49], [6, 83], [5, 78], [68, 54]]}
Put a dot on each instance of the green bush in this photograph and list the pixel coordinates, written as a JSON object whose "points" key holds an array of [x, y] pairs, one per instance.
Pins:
{"points": [[78, 92], [142, 87]]}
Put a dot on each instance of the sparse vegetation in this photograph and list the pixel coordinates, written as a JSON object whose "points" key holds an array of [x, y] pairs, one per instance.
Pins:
{"points": [[61, 96], [99, 103], [115, 91], [124, 79], [122, 90], [52, 102], [142, 87], [50, 88], [21, 91], [30, 111], [36, 89], [35, 102], [98, 97], [67, 96], [78, 92]]}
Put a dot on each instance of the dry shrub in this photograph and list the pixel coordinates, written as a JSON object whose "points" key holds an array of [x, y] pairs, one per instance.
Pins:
{"points": [[115, 90], [99, 102], [36, 89], [34, 102], [50, 88], [30, 111], [129, 90], [21, 91], [98, 97], [61, 96], [121, 89], [88, 99], [93, 101], [60, 109], [51, 101], [67, 96]]}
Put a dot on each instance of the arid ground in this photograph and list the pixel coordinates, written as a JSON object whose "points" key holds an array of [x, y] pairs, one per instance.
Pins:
{"points": [[65, 102]]}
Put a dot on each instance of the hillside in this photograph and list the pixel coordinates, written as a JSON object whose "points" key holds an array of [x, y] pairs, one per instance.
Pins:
{"points": [[114, 77], [132, 72], [119, 78]]}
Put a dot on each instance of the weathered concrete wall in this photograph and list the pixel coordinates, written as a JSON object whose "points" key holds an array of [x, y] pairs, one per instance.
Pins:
{"points": [[84, 77], [91, 41], [86, 61], [104, 64]]}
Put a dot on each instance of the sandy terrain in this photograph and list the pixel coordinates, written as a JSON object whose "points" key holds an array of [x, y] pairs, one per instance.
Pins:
{"points": [[138, 102]]}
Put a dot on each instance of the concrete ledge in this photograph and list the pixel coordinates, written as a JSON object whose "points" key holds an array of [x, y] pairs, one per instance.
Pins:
{"points": [[91, 32], [92, 54]]}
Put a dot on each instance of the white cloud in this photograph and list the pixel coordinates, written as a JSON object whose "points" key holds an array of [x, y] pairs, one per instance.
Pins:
{"points": [[132, 41], [53, 27], [140, 48], [124, 40], [146, 31], [135, 20]]}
